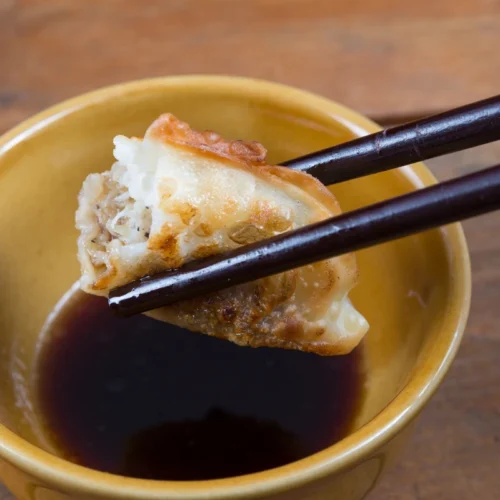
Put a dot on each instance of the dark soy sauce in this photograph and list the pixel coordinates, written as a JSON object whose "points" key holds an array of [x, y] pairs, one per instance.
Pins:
{"points": [[145, 399]]}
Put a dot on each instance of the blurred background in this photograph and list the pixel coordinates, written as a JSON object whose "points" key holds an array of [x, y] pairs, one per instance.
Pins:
{"points": [[389, 59], [393, 60]]}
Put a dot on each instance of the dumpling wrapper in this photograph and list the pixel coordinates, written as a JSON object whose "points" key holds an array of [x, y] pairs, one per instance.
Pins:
{"points": [[178, 195]]}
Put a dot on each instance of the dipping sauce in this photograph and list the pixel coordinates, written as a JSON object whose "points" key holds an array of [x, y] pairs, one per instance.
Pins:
{"points": [[141, 398]]}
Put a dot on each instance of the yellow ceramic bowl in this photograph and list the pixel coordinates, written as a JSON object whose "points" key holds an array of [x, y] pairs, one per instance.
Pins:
{"points": [[414, 292]]}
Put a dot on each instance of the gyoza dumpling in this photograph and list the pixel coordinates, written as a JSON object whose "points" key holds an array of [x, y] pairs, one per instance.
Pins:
{"points": [[179, 195]]}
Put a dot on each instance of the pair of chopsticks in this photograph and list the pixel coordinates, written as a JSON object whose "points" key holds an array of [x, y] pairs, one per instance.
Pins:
{"points": [[444, 203]]}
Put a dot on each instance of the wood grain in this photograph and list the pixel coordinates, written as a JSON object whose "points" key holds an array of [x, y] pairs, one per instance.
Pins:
{"points": [[390, 59], [384, 57]]}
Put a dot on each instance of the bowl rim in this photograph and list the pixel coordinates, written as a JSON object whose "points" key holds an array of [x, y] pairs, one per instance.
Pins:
{"points": [[55, 471]]}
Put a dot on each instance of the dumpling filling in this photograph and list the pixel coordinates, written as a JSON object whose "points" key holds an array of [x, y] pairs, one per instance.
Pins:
{"points": [[179, 195]]}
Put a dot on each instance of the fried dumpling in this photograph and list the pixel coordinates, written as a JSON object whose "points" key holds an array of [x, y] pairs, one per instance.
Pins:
{"points": [[178, 195]]}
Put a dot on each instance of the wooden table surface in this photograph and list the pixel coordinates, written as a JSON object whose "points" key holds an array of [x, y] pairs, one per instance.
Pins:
{"points": [[390, 59]]}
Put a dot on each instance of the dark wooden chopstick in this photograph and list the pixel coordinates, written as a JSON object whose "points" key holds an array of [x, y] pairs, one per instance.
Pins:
{"points": [[468, 126], [417, 211], [461, 128]]}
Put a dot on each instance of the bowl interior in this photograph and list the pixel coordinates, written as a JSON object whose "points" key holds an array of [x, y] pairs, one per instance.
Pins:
{"points": [[405, 288]]}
